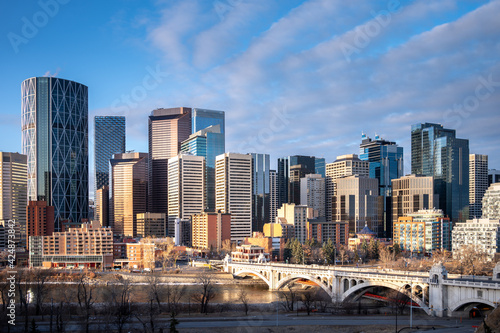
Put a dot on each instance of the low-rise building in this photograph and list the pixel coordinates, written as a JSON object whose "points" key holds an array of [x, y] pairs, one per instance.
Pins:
{"points": [[482, 234], [134, 255], [321, 230], [249, 253]]}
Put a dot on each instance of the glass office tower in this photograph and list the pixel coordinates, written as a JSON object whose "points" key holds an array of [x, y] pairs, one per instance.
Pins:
{"points": [[435, 151], [386, 164], [261, 191], [55, 139], [109, 139]]}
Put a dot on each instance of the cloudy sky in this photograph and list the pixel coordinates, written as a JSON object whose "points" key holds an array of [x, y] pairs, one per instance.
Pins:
{"points": [[294, 77]]}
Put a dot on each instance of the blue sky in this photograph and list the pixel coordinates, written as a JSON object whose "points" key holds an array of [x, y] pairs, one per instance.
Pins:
{"points": [[294, 77]]}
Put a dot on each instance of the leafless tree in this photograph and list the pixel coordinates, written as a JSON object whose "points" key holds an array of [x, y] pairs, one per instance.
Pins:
{"points": [[343, 254], [289, 297], [22, 281], [40, 288], [308, 298], [243, 298], [227, 247], [399, 300], [4, 289], [322, 300], [385, 255], [207, 291], [86, 299], [120, 303], [173, 293]]}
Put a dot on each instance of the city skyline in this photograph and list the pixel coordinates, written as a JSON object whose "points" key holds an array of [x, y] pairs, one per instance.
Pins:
{"points": [[266, 65]]}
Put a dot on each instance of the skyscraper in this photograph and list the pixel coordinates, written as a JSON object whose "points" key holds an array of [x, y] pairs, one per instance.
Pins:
{"points": [[386, 164], [129, 183], [55, 139], [273, 196], [410, 194], [478, 183], [202, 118], [109, 139], [13, 199], [186, 188], [260, 191], [233, 192], [167, 129], [435, 151]]}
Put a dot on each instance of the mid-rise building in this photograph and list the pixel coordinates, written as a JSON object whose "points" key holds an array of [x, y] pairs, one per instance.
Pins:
{"points": [[357, 201], [233, 175], [436, 152], [386, 164], [481, 234], [40, 219], [410, 194], [261, 191], [321, 231], [151, 225], [298, 216], [183, 234], [134, 256], [129, 174], [493, 176], [478, 183], [210, 230], [491, 202], [102, 206], [13, 198], [423, 232], [55, 139], [344, 165], [167, 129], [312, 193], [89, 246], [109, 139], [186, 188]]}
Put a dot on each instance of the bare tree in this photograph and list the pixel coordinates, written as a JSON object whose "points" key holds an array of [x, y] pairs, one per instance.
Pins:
{"points": [[322, 300], [206, 292], [227, 247], [308, 298], [243, 298], [121, 305], [289, 297], [85, 295], [22, 280], [385, 255], [399, 300], [40, 288], [173, 292], [343, 254]]}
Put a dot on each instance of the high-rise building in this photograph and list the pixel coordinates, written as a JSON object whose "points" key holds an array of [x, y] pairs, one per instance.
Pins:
{"points": [[273, 196], [478, 183], [167, 129], [386, 164], [55, 139], [356, 200], [40, 219], [435, 151], [493, 176], [186, 188], [344, 165], [102, 206], [129, 183], [203, 118], [261, 191], [298, 216], [210, 230], [209, 143], [310, 164], [13, 198], [151, 225], [233, 192], [109, 139], [424, 231], [410, 194], [312, 193], [491, 202]]}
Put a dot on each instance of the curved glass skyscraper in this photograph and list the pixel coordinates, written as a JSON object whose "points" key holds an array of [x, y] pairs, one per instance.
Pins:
{"points": [[55, 139]]}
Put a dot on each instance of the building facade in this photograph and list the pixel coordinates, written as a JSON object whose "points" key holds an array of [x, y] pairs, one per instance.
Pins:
{"points": [[151, 225], [167, 129], [478, 183], [233, 189], [210, 230], [386, 164], [13, 197], [186, 188], [312, 193], [273, 196], [491, 202], [40, 219], [298, 216], [129, 183], [436, 152], [55, 139], [109, 139], [423, 232], [493, 176], [261, 191], [410, 194], [101, 202], [321, 231], [481, 234]]}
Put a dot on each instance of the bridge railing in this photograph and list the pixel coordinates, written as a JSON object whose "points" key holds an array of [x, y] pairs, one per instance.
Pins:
{"points": [[465, 283]]}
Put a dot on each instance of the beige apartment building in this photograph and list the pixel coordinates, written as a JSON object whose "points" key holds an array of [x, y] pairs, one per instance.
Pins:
{"points": [[210, 230], [129, 174], [186, 187], [344, 165], [233, 192], [411, 194], [298, 216], [102, 206]]}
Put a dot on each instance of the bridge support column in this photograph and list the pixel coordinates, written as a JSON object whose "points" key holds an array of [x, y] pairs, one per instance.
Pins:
{"points": [[438, 295], [273, 279]]}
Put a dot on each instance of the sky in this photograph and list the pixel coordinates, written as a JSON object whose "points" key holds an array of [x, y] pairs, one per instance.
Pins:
{"points": [[294, 77]]}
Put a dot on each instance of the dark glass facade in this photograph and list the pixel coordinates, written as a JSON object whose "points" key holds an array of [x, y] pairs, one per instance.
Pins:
{"points": [[437, 152], [386, 164], [55, 139], [261, 191], [109, 139], [309, 164]]}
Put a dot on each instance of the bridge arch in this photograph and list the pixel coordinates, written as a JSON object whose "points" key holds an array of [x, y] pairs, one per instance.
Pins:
{"points": [[389, 285], [287, 279], [249, 272], [461, 303]]}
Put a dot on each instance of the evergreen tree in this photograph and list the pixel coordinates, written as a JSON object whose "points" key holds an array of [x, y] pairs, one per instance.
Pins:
{"points": [[329, 251], [297, 252], [173, 323]]}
